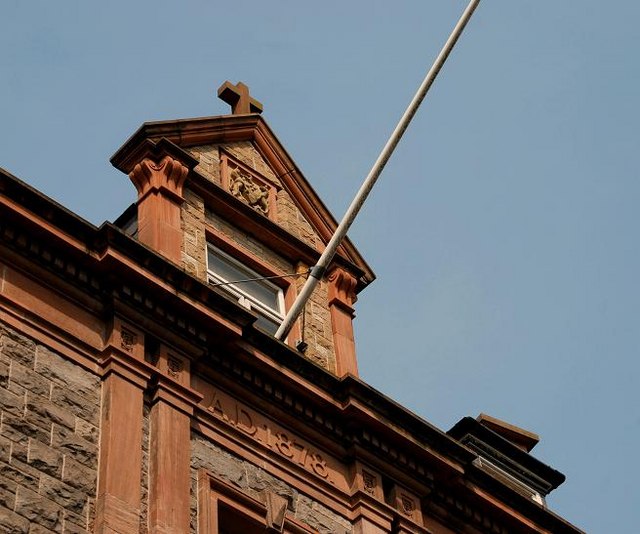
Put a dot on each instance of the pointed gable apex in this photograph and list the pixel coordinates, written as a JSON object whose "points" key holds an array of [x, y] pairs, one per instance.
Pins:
{"points": [[225, 129]]}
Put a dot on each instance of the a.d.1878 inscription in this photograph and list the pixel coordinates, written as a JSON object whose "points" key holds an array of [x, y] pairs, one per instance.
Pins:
{"points": [[266, 432]]}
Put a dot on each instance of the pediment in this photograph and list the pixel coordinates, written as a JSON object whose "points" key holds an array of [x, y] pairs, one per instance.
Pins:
{"points": [[242, 155]]}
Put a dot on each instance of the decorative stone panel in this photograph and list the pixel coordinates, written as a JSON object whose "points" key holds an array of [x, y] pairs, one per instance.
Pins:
{"points": [[367, 480], [406, 503], [246, 184]]}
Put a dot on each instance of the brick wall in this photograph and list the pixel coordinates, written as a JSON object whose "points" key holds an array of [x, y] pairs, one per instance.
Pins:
{"points": [[48, 439], [252, 481]]}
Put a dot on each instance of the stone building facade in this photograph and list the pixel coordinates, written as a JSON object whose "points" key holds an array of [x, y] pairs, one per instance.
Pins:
{"points": [[142, 390]]}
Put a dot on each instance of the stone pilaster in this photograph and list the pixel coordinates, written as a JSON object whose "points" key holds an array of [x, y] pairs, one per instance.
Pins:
{"points": [[342, 296], [170, 452], [125, 378]]}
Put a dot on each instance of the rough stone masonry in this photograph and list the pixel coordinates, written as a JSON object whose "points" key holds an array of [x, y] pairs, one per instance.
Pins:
{"points": [[49, 418]]}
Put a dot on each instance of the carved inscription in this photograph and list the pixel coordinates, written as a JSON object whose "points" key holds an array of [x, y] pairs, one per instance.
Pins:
{"points": [[270, 435]]}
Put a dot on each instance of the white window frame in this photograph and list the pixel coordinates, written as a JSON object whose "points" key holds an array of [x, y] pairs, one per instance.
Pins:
{"points": [[275, 316]]}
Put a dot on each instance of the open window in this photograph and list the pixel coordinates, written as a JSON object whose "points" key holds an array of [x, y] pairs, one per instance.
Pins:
{"points": [[261, 296]]}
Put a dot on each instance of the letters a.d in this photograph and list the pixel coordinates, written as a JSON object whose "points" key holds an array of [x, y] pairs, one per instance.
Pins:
{"points": [[235, 414]]}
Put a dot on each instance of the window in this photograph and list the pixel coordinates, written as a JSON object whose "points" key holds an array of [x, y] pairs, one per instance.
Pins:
{"points": [[225, 509], [260, 296], [231, 521]]}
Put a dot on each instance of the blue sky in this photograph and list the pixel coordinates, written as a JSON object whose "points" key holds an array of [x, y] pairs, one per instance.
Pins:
{"points": [[503, 231]]}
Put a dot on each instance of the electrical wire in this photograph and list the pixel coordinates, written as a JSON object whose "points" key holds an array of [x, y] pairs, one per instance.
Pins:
{"points": [[288, 275]]}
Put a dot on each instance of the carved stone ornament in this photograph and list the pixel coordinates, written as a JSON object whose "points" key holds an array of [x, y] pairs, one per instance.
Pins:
{"points": [[168, 173], [408, 506], [242, 186], [127, 340], [174, 367], [369, 482], [342, 286]]}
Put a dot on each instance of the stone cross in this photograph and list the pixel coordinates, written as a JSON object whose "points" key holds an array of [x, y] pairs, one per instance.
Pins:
{"points": [[238, 97]]}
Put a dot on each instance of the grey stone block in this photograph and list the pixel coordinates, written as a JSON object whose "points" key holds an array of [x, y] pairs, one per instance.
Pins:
{"points": [[18, 348], [21, 474], [11, 402], [69, 498], [29, 379], [12, 523], [44, 412], [44, 458], [259, 481], [68, 374], [5, 449], [38, 509], [320, 518], [219, 462], [87, 431], [8, 490], [18, 429], [72, 528], [39, 529], [79, 476], [4, 374], [75, 403], [79, 449]]}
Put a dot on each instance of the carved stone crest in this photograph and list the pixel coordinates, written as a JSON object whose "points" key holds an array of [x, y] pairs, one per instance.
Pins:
{"points": [[127, 340], [408, 506], [242, 186], [369, 482], [174, 367]]}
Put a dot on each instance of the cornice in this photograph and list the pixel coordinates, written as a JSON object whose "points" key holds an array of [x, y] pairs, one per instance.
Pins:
{"points": [[188, 132]]}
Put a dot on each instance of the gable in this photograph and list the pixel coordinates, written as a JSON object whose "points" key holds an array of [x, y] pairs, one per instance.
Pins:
{"points": [[248, 140]]}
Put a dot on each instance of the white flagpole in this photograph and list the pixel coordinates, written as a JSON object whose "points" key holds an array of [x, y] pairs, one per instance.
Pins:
{"points": [[318, 271]]}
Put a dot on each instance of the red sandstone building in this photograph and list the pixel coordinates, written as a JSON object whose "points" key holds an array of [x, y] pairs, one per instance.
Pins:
{"points": [[142, 390]]}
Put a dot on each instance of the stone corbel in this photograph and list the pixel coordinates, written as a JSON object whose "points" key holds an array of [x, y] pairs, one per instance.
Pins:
{"points": [[342, 296]]}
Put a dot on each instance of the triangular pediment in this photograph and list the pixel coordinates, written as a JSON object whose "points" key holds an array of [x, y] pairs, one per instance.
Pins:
{"points": [[241, 155]]}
